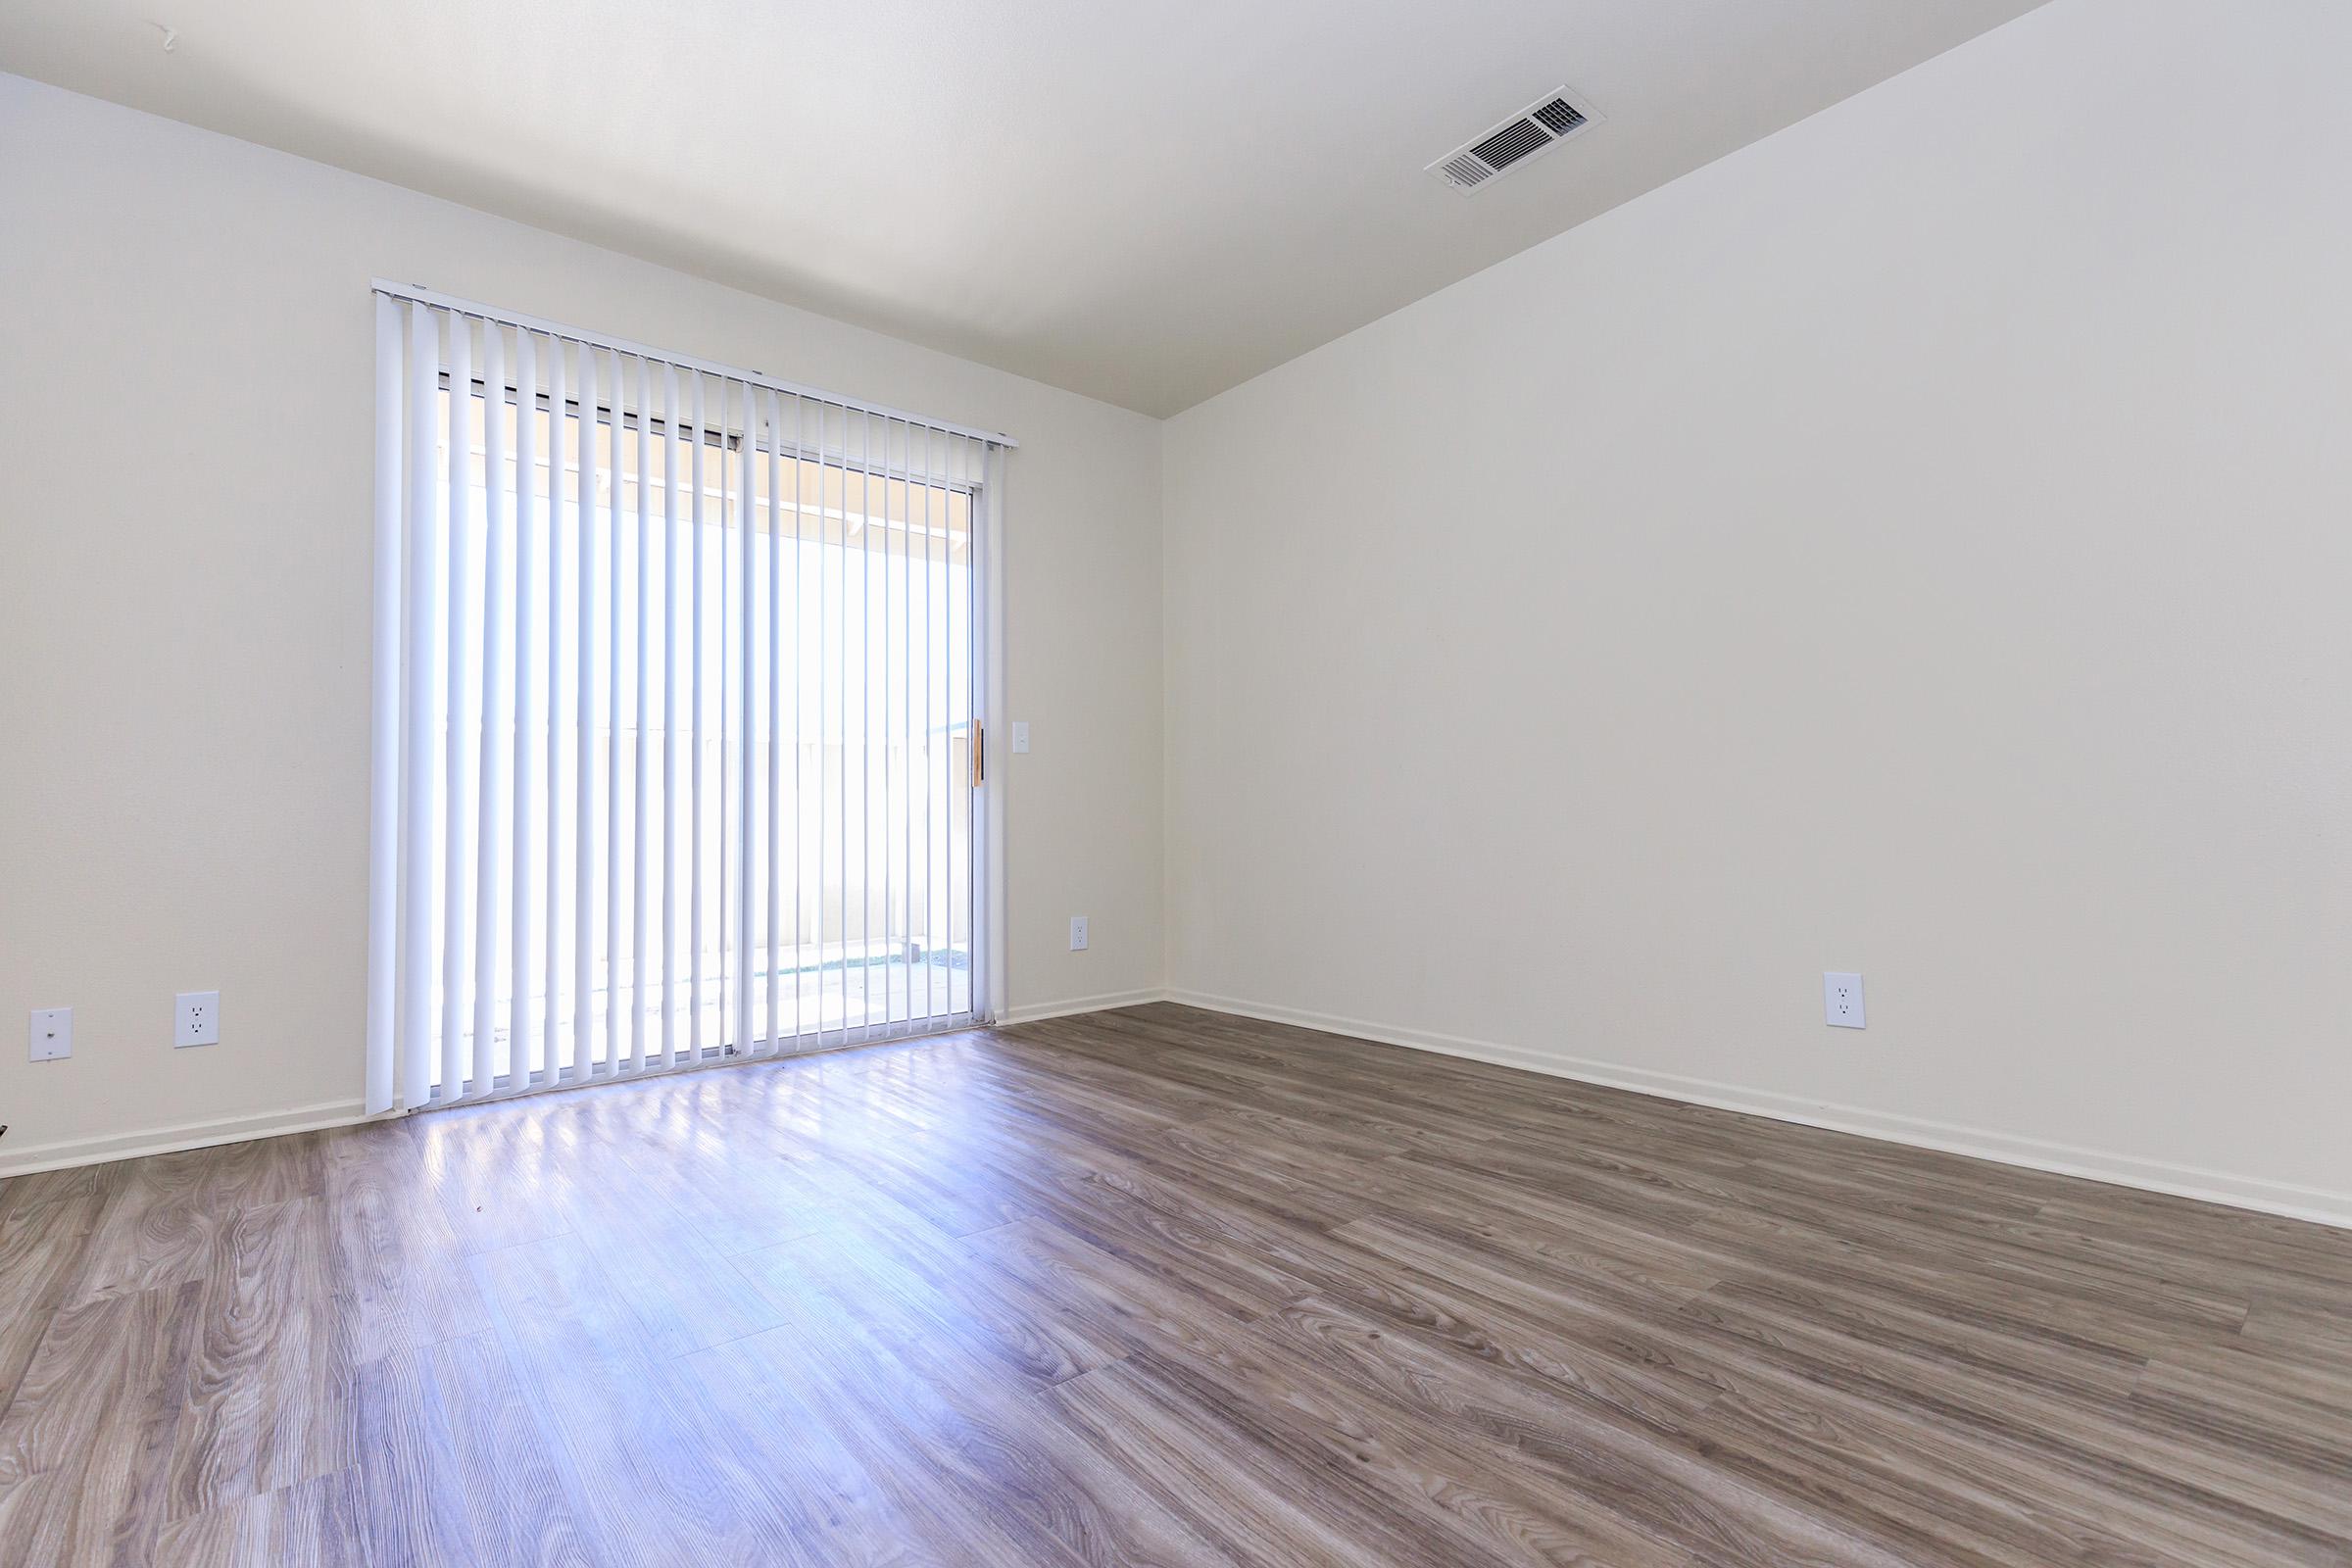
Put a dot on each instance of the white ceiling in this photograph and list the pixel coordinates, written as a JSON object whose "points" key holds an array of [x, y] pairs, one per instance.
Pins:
{"points": [[1144, 200]]}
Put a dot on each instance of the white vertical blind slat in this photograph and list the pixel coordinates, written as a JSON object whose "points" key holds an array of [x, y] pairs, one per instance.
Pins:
{"points": [[986, 897], [732, 822], [585, 863], [866, 720], [741, 669], [694, 918], [721, 639], [834, 644], [671, 720], [902, 734], [853, 673], [930, 771], [772, 409], [977, 732], [640, 885], [800, 858], [940, 750], [902, 815], [456, 939], [613, 751], [497, 714], [558, 551], [419, 738], [383, 741], [880, 624], [519, 965]]}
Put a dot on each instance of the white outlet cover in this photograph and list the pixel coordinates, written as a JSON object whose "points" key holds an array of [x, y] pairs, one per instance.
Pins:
{"points": [[197, 1019], [1020, 737], [51, 1034], [1841, 1000], [1077, 933]]}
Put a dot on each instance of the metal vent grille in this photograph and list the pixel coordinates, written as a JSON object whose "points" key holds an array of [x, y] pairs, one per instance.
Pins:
{"points": [[1539, 127], [1466, 170], [1511, 143], [1560, 117]]}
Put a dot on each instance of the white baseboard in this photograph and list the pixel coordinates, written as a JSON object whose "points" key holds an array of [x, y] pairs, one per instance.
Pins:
{"points": [[1038, 1010], [66, 1152], [171, 1140], [2063, 1160]]}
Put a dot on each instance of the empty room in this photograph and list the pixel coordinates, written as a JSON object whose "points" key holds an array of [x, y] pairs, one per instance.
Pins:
{"points": [[1033, 784]]}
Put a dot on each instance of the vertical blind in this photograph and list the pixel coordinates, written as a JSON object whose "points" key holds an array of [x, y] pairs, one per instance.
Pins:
{"points": [[676, 708]]}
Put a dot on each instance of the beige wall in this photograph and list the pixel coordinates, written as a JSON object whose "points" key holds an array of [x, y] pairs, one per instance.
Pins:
{"points": [[186, 407], [1919, 543]]}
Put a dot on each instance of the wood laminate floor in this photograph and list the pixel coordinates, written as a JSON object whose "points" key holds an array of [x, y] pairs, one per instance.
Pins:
{"points": [[1152, 1286]]}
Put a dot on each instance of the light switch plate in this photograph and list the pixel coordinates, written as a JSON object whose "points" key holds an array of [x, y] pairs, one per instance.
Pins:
{"points": [[51, 1035], [197, 1021], [1841, 1000], [1020, 737]]}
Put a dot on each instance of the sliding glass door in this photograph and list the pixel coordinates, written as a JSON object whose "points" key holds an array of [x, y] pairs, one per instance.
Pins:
{"points": [[699, 681]]}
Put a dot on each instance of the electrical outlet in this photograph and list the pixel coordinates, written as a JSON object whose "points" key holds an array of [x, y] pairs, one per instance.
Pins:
{"points": [[1020, 737], [1841, 1000], [51, 1034], [198, 1023], [1077, 933]]}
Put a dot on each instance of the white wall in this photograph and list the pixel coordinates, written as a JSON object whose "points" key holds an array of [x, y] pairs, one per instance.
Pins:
{"points": [[1919, 543], [186, 407]]}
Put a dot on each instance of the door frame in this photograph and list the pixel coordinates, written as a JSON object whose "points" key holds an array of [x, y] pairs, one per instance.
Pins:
{"points": [[989, 920]]}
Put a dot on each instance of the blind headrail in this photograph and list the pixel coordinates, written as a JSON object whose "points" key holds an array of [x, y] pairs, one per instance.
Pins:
{"points": [[684, 362]]}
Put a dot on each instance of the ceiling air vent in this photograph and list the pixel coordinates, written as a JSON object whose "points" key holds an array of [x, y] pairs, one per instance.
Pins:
{"points": [[1539, 127]]}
